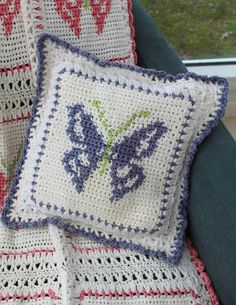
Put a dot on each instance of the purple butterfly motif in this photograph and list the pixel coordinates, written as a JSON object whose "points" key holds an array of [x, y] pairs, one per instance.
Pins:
{"points": [[120, 158]]}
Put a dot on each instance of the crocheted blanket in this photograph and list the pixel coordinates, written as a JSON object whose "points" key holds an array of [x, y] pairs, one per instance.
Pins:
{"points": [[48, 266]]}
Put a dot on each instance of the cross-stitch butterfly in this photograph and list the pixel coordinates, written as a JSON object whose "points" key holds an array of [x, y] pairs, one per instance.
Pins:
{"points": [[90, 151]]}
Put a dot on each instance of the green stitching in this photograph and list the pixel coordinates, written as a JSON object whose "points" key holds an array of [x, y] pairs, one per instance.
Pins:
{"points": [[86, 4], [13, 165], [125, 126], [111, 133], [101, 114], [10, 168], [6, 166]]}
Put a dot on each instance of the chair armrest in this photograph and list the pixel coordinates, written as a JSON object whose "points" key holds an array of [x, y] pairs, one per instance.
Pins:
{"points": [[212, 210], [212, 202]]}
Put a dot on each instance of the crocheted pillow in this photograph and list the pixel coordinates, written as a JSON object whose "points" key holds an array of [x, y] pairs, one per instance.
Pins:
{"points": [[109, 149], [102, 27]]}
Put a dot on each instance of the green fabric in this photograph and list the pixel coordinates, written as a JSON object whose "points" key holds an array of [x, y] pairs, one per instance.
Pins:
{"points": [[212, 206], [152, 48]]}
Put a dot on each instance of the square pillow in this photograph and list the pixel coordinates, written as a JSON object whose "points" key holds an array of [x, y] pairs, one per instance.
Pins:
{"points": [[102, 27], [109, 148]]}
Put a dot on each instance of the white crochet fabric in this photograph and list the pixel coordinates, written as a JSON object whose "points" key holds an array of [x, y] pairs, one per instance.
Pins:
{"points": [[16, 90], [28, 268], [16, 87], [47, 266], [102, 27], [13, 51], [96, 274], [44, 266], [168, 116]]}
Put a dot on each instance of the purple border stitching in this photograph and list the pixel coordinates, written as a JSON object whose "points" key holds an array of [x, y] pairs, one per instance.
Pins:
{"points": [[177, 249]]}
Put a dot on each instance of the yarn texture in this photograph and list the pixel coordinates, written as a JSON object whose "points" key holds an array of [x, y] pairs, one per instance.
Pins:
{"points": [[49, 266], [16, 90], [121, 139], [103, 27]]}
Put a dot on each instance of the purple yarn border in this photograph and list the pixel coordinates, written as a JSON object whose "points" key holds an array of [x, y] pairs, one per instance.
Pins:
{"points": [[179, 238]]}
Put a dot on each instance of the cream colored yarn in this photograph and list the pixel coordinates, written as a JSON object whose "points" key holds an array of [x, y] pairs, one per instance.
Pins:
{"points": [[103, 28], [48, 266]]}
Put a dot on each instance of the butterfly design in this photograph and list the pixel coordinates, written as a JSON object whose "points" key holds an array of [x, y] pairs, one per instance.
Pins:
{"points": [[70, 12], [118, 158]]}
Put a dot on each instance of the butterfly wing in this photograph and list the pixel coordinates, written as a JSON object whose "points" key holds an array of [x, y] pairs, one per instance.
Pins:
{"points": [[127, 176], [87, 146]]}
